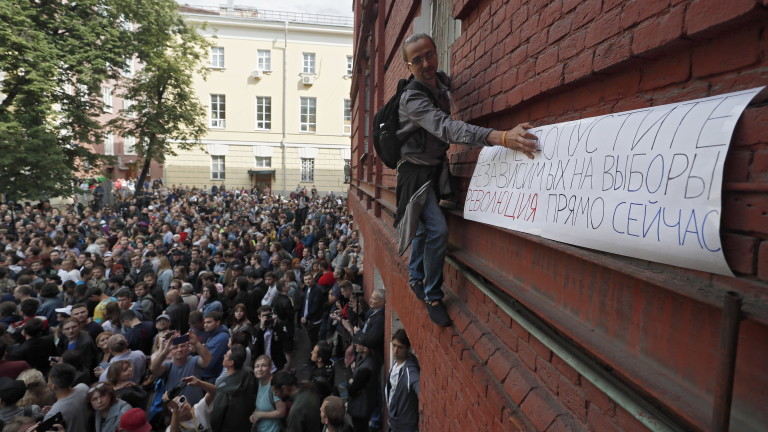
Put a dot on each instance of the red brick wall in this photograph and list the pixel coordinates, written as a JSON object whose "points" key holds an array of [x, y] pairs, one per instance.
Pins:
{"points": [[655, 326]]}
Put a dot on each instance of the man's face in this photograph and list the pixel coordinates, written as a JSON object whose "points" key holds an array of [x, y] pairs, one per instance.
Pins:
{"points": [[124, 303], [375, 301], [36, 266], [71, 330], [308, 280], [149, 279], [399, 350], [210, 324], [81, 314], [423, 58], [97, 273], [269, 280], [140, 290]]}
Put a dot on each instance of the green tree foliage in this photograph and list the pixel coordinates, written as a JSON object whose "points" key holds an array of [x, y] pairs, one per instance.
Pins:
{"points": [[55, 55]]}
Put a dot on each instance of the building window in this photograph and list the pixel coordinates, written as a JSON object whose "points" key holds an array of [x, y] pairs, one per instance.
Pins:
{"points": [[129, 145], [127, 104], [349, 65], [308, 65], [217, 167], [128, 68], [308, 114], [307, 170], [347, 171], [263, 162], [106, 94], [217, 57], [445, 31], [109, 144], [263, 113], [218, 110], [347, 116], [264, 60]]}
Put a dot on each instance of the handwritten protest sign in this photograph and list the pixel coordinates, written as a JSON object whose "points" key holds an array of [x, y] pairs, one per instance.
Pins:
{"points": [[643, 183]]}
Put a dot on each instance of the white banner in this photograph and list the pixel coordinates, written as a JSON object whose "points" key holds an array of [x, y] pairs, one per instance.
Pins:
{"points": [[645, 183]]}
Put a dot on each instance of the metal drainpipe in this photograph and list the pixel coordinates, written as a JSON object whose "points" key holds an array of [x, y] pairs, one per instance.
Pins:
{"points": [[285, 101], [644, 412], [726, 367]]}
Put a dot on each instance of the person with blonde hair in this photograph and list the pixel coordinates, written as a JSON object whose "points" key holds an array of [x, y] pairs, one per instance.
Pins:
{"points": [[38, 392]]}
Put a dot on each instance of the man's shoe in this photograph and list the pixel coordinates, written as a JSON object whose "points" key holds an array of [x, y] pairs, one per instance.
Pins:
{"points": [[438, 314], [418, 289]]}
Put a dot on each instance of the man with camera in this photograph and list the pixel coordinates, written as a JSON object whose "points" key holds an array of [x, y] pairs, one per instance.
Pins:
{"points": [[271, 338], [182, 364]]}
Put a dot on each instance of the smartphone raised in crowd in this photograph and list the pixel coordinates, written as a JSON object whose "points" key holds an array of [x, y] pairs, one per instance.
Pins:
{"points": [[180, 339]]}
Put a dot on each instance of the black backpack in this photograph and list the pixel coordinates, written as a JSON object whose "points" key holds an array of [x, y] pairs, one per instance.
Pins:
{"points": [[386, 122]]}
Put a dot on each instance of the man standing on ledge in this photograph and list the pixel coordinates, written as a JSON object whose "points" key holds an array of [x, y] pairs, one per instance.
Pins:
{"points": [[427, 130]]}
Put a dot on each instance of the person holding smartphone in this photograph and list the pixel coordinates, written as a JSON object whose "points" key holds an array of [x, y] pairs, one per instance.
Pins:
{"points": [[182, 364]]}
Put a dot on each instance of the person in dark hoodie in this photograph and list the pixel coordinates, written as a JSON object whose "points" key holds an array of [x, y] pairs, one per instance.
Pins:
{"points": [[235, 394], [401, 391]]}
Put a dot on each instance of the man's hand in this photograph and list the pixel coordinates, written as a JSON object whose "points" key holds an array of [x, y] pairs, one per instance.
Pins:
{"points": [[519, 139]]}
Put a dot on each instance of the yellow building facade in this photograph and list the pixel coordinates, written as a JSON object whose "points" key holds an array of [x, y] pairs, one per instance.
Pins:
{"points": [[277, 97]]}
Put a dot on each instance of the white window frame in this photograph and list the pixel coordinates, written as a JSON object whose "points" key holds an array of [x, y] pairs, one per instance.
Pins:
{"points": [[263, 161], [347, 130], [308, 115], [308, 63], [307, 170], [129, 145], [217, 57], [127, 104], [263, 113], [264, 60], [109, 144], [217, 111], [128, 69], [218, 167], [350, 68], [106, 96]]}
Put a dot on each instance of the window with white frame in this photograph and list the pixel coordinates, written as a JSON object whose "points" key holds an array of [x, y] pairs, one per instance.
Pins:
{"points": [[308, 64], [347, 116], [263, 112], [349, 65], [218, 110], [127, 104], [307, 170], [128, 68], [217, 167], [109, 144], [106, 95], [217, 57], [308, 114], [445, 31], [129, 145], [264, 60], [347, 171], [263, 162]]}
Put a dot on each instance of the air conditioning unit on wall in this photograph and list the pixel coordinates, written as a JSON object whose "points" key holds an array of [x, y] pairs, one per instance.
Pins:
{"points": [[257, 74], [308, 79]]}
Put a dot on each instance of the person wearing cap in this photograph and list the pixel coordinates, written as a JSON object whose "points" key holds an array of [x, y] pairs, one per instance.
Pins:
{"points": [[163, 327], [364, 384], [135, 420]]}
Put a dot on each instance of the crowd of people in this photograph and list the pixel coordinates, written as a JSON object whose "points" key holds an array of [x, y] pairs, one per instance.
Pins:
{"points": [[183, 309]]}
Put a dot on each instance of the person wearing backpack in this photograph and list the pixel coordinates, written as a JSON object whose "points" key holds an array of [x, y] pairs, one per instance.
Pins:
{"points": [[426, 131]]}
